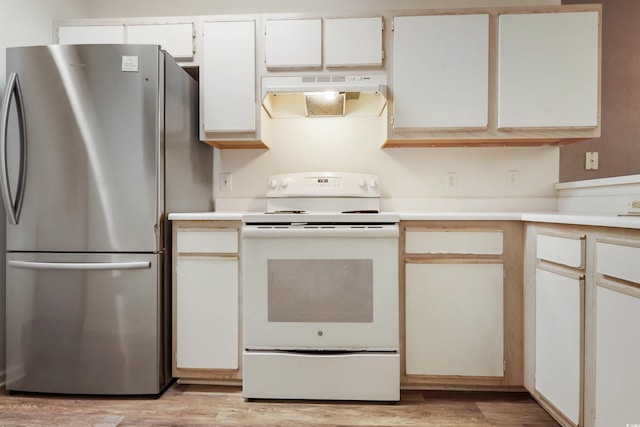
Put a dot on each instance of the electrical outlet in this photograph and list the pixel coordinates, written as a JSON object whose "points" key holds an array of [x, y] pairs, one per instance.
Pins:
{"points": [[225, 182], [513, 177], [451, 181]]}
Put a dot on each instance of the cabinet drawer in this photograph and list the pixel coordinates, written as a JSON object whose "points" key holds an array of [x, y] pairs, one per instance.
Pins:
{"points": [[618, 261], [561, 250], [207, 241], [453, 242]]}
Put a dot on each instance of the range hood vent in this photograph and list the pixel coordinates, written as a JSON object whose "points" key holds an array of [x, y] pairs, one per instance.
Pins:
{"points": [[324, 95]]}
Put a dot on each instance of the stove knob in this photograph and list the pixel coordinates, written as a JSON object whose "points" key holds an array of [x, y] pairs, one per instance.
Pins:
{"points": [[362, 183], [284, 183], [273, 183], [373, 183]]}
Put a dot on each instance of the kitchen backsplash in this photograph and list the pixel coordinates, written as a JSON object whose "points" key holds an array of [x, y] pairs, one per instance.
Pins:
{"points": [[514, 178], [618, 195]]}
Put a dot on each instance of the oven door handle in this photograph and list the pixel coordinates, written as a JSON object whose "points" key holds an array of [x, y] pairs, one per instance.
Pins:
{"points": [[320, 231]]}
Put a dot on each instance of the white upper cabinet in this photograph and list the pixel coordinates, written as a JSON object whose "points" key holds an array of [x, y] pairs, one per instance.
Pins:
{"points": [[441, 71], [91, 34], [293, 43], [228, 80], [353, 42], [177, 39], [548, 70]]}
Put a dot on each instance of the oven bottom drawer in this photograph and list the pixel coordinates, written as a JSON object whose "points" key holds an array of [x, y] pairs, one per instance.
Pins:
{"points": [[343, 376]]}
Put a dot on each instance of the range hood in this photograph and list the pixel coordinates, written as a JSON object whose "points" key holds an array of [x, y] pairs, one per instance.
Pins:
{"points": [[324, 95]]}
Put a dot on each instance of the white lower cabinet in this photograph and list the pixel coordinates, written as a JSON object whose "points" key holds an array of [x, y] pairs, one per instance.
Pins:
{"points": [[454, 318], [554, 321], [582, 323], [207, 312], [617, 333], [617, 357], [206, 300], [461, 303], [558, 338]]}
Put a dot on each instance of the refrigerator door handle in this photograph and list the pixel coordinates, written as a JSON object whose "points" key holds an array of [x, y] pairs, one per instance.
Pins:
{"points": [[12, 207], [80, 265]]}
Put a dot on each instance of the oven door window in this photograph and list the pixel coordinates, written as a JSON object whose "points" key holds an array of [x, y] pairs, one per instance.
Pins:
{"points": [[320, 290]]}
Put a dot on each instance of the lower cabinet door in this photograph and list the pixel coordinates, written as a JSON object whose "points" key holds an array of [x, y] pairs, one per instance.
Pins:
{"points": [[454, 319], [617, 357], [207, 312], [558, 341]]}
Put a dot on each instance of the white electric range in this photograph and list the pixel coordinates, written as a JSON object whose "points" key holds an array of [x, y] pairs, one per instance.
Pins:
{"points": [[320, 291]]}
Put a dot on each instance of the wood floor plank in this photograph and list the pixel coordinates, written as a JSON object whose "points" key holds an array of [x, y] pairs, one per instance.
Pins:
{"points": [[197, 406]]}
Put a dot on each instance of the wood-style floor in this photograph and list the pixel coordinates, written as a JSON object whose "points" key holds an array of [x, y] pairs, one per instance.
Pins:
{"points": [[195, 405]]}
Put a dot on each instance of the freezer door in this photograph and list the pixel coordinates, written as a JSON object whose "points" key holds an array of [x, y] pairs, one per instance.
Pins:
{"points": [[91, 148], [85, 324]]}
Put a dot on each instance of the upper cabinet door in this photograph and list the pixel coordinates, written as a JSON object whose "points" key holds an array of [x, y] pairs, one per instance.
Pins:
{"points": [[294, 43], [353, 42], [548, 70], [177, 39], [91, 34], [228, 83], [441, 71]]}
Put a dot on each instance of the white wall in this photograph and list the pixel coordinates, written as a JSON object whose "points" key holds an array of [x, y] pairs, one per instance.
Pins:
{"points": [[339, 144], [30, 22]]}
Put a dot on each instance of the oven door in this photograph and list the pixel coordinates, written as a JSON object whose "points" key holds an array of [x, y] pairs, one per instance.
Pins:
{"points": [[320, 287]]}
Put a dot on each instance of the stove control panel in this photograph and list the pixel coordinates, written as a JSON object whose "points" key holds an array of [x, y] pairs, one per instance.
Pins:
{"points": [[323, 184]]}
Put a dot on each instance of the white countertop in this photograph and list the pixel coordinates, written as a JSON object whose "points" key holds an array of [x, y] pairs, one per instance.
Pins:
{"points": [[460, 216], [207, 216], [598, 220]]}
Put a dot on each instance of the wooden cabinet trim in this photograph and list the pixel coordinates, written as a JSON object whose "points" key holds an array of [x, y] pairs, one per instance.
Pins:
{"points": [[452, 259], [563, 234], [621, 241], [200, 255], [561, 269], [206, 225], [618, 285]]}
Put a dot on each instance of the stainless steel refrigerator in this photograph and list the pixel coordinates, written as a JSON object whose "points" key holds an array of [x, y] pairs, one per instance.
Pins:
{"points": [[98, 143]]}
